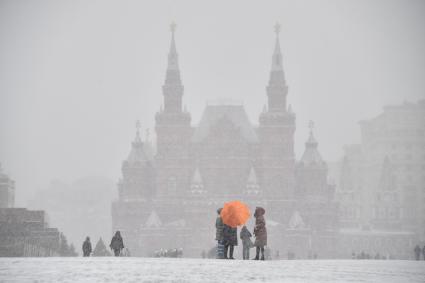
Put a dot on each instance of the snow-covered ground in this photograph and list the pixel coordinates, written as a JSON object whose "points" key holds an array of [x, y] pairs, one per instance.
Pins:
{"points": [[203, 270]]}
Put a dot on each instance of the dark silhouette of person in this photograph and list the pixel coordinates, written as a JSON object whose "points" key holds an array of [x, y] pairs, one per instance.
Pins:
{"points": [[260, 232], [417, 251], [423, 252], [230, 240], [219, 235], [117, 243], [245, 236], [87, 249]]}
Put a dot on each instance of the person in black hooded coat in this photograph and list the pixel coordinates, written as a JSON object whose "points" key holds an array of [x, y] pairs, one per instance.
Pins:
{"points": [[117, 244], [87, 249]]}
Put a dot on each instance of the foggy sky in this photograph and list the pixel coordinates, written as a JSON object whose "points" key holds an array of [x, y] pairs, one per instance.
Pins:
{"points": [[76, 75]]}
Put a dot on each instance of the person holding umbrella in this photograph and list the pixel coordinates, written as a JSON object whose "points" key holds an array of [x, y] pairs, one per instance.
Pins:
{"points": [[260, 232], [230, 239], [233, 214]]}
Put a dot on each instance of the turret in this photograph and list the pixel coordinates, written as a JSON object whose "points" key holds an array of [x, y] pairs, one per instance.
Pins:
{"points": [[276, 133], [173, 131], [138, 173], [311, 172]]}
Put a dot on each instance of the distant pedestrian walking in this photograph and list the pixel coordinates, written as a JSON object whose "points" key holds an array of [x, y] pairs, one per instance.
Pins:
{"points": [[230, 240], [260, 232], [417, 251], [245, 236], [87, 247], [117, 243], [423, 252], [219, 226]]}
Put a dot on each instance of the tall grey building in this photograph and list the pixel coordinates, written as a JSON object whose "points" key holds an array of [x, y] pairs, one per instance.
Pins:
{"points": [[169, 199], [382, 181]]}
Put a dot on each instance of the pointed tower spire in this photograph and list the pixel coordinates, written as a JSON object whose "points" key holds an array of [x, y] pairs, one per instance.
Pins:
{"points": [[173, 63], [138, 126], [277, 55], [277, 88], [173, 88]]}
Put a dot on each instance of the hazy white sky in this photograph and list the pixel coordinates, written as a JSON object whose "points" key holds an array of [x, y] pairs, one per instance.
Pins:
{"points": [[75, 75]]}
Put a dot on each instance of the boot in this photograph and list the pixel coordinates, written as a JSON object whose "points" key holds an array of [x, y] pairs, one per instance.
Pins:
{"points": [[226, 248], [257, 253], [231, 252], [262, 253]]}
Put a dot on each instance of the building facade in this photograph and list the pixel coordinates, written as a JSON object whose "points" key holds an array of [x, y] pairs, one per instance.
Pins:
{"points": [[7, 190], [26, 232], [382, 182], [168, 199]]}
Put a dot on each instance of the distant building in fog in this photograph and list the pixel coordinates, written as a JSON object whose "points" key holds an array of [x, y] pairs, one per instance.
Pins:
{"points": [[382, 180], [169, 199], [7, 190], [25, 232]]}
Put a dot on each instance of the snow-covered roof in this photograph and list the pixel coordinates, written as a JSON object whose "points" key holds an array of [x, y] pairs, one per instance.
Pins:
{"points": [[234, 113]]}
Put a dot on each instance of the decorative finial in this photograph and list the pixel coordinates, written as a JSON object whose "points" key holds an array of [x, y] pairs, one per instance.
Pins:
{"points": [[173, 27], [138, 126], [277, 28], [137, 138], [311, 126]]}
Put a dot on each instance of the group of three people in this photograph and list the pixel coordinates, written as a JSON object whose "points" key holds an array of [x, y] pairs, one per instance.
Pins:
{"points": [[227, 238]]}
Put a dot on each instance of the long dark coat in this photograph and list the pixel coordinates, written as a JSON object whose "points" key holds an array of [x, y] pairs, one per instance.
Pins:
{"points": [[87, 249], [117, 242], [219, 226], [260, 230], [230, 236]]}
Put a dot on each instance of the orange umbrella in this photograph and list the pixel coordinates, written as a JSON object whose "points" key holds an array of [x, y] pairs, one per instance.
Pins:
{"points": [[235, 213]]}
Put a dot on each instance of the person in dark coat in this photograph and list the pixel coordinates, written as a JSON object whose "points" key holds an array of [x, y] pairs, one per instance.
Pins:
{"points": [[245, 236], [117, 243], [219, 226], [260, 232], [230, 240], [87, 247], [417, 251], [423, 252]]}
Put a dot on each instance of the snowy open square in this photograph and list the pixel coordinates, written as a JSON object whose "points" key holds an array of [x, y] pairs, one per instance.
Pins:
{"points": [[197, 270]]}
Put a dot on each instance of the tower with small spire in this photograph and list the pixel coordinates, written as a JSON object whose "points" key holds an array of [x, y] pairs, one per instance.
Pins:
{"points": [[314, 197], [173, 131], [138, 174], [311, 171], [276, 132]]}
